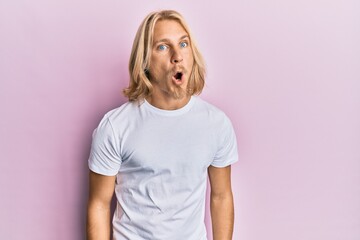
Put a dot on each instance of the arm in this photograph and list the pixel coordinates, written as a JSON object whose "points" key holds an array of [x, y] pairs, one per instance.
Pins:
{"points": [[101, 190], [221, 203]]}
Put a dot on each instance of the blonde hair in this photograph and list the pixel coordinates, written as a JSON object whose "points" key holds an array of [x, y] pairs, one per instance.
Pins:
{"points": [[140, 85]]}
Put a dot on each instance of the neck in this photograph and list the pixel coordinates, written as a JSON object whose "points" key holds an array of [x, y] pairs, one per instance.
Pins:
{"points": [[167, 102]]}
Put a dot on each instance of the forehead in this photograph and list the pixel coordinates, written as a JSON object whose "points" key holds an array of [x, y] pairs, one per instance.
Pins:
{"points": [[168, 29]]}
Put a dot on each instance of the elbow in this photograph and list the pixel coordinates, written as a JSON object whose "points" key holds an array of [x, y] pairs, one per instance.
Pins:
{"points": [[222, 196]]}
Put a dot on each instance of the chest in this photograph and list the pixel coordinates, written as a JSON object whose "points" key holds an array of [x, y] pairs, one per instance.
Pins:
{"points": [[179, 146]]}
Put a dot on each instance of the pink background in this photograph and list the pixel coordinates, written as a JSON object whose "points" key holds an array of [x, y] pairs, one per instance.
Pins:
{"points": [[286, 72]]}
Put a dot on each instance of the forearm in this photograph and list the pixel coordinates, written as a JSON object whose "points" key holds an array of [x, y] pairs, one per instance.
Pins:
{"points": [[98, 222], [222, 216]]}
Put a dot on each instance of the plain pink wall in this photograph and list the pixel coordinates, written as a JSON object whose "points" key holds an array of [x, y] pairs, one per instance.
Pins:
{"points": [[286, 72]]}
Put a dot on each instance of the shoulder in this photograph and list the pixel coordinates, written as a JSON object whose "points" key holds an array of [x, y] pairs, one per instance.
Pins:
{"points": [[214, 118], [126, 110], [211, 111], [120, 116]]}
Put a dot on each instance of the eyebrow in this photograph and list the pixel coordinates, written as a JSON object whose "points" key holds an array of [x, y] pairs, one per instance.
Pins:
{"points": [[168, 40]]}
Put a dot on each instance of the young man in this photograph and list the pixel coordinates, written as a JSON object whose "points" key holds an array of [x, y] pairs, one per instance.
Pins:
{"points": [[157, 149]]}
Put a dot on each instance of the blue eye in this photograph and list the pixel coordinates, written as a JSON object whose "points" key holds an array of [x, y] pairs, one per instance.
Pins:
{"points": [[183, 44], [162, 47]]}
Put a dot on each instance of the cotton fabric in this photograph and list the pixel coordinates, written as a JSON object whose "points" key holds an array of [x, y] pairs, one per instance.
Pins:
{"points": [[160, 159]]}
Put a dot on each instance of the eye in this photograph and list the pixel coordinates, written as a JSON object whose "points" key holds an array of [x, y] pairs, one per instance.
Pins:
{"points": [[162, 47], [183, 44]]}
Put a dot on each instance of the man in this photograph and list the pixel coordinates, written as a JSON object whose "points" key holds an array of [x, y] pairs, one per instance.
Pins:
{"points": [[157, 149]]}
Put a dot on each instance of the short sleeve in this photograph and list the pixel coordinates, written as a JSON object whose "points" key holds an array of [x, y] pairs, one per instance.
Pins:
{"points": [[227, 153], [104, 154]]}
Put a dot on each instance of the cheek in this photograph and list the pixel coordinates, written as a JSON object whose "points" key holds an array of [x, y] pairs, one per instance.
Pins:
{"points": [[158, 63], [154, 67], [190, 61], [189, 57]]}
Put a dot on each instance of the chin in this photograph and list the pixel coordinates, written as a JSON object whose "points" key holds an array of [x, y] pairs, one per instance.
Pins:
{"points": [[179, 93]]}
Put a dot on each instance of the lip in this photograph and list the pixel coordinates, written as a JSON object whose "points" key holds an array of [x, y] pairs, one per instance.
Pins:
{"points": [[178, 75], [178, 81], [176, 70]]}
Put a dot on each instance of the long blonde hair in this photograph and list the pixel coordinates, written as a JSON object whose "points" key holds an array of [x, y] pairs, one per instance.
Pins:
{"points": [[140, 85]]}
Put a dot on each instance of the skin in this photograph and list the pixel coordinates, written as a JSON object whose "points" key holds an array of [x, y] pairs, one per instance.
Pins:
{"points": [[221, 203], [171, 52], [101, 190]]}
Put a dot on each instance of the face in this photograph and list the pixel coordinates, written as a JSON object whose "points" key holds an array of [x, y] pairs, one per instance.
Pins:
{"points": [[171, 59]]}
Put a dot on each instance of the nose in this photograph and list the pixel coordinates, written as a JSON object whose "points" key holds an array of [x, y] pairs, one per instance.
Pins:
{"points": [[176, 57]]}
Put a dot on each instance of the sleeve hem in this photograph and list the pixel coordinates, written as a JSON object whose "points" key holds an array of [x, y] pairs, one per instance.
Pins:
{"points": [[221, 165], [97, 170]]}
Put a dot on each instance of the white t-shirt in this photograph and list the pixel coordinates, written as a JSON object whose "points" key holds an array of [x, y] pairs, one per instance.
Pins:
{"points": [[160, 158]]}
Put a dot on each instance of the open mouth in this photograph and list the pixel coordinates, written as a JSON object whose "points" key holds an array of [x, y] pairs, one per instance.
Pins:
{"points": [[178, 75]]}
